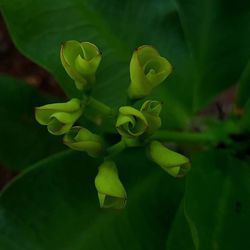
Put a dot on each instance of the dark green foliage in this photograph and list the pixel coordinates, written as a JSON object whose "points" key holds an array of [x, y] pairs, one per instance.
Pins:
{"points": [[53, 204], [22, 141]]}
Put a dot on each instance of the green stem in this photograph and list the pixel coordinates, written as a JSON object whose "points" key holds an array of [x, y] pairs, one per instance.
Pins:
{"points": [[100, 106], [188, 137], [116, 148]]}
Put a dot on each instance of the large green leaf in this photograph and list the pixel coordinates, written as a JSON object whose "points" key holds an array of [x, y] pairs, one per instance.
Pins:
{"points": [[218, 36], [243, 94], [206, 41], [54, 205], [217, 203], [179, 237], [23, 141]]}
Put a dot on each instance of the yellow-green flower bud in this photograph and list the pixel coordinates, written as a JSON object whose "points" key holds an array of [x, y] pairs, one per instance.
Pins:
{"points": [[111, 192], [151, 110], [80, 60], [131, 123], [147, 70], [82, 139], [174, 163], [59, 117]]}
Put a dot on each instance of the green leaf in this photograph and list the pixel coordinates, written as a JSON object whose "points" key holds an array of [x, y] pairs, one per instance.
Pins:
{"points": [[54, 205], [179, 237], [217, 203], [218, 36], [243, 94], [245, 121], [23, 141], [206, 41]]}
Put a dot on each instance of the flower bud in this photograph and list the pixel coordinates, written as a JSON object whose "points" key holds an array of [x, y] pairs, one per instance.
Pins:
{"points": [[59, 117], [147, 70], [111, 192], [174, 163], [151, 110], [82, 139], [131, 123], [80, 60]]}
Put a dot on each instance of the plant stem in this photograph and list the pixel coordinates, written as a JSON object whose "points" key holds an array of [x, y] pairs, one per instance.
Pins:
{"points": [[188, 137], [100, 106], [117, 148]]}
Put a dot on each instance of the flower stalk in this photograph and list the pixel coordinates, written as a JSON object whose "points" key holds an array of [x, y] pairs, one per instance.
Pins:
{"points": [[185, 137]]}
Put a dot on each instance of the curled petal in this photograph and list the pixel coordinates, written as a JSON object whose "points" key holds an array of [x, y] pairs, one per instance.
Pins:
{"points": [[80, 60], [145, 53], [111, 192], [151, 106], [131, 122], [151, 110], [82, 139], [147, 70], [56, 127], [59, 117], [172, 162], [44, 112]]}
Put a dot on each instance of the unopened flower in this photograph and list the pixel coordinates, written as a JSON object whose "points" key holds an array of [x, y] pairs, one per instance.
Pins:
{"points": [[80, 60], [111, 192], [172, 162], [147, 70], [59, 117], [82, 139], [151, 111], [131, 123]]}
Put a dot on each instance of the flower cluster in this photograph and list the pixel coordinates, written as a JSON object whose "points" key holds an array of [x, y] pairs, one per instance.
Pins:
{"points": [[135, 126]]}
